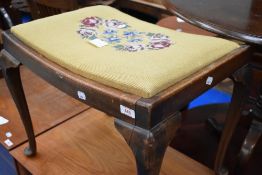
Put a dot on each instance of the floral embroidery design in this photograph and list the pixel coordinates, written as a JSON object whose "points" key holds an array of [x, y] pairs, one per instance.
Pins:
{"points": [[130, 47], [92, 21], [87, 33], [113, 23], [121, 36]]}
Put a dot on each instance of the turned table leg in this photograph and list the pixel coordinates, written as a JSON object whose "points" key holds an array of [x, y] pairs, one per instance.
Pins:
{"points": [[11, 73], [254, 134], [149, 146], [232, 119]]}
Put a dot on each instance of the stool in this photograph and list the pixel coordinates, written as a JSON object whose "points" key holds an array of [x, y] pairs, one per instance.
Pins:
{"points": [[140, 73]]}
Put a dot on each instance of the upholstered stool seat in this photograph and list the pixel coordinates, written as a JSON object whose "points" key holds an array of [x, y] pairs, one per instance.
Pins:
{"points": [[139, 58], [140, 73]]}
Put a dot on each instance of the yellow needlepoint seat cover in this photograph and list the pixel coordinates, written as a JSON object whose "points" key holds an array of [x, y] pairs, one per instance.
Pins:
{"points": [[120, 51]]}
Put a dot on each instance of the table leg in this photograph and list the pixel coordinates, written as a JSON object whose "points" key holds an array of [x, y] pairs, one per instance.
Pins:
{"points": [[11, 73], [254, 134], [149, 146], [232, 119]]}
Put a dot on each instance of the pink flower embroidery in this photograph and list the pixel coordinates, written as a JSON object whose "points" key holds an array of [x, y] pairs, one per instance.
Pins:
{"points": [[91, 21], [159, 44], [121, 36]]}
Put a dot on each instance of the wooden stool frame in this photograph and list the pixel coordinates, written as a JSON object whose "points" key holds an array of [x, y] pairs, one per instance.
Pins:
{"points": [[156, 118]]}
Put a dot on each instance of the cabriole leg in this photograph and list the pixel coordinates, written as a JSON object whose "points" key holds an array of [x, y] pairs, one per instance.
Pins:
{"points": [[11, 73], [149, 146]]}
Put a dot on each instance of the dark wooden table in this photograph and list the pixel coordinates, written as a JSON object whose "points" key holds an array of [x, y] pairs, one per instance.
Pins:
{"points": [[240, 20], [234, 19]]}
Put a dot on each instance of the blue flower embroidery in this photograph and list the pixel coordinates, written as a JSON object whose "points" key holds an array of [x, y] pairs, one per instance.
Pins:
{"points": [[110, 32], [135, 40], [113, 39], [121, 36]]}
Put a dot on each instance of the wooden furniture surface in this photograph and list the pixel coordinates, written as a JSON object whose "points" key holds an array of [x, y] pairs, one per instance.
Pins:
{"points": [[112, 98], [85, 143], [154, 1], [157, 118], [89, 144], [95, 2], [234, 19], [241, 21], [156, 10], [5, 23], [44, 8], [171, 22], [60, 108], [14, 13]]}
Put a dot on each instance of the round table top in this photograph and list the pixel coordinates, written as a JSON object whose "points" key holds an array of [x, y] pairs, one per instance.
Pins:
{"points": [[237, 19]]}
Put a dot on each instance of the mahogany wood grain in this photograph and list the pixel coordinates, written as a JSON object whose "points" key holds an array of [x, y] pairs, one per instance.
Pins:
{"points": [[248, 146], [89, 144], [144, 7], [180, 94], [100, 96], [11, 73], [95, 2], [172, 23], [44, 8], [149, 156], [150, 110], [239, 98], [253, 111], [234, 19], [47, 105]]}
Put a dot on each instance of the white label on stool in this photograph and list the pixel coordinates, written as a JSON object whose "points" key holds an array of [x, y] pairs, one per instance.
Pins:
{"points": [[3, 120], [179, 30], [8, 134], [179, 20], [98, 42], [8, 142], [209, 80], [127, 111], [81, 95]]}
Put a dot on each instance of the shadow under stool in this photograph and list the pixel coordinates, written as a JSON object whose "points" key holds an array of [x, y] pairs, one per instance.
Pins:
{"points": [[140, 73]]}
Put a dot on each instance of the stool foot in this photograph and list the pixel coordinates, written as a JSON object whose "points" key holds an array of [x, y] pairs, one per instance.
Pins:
{"points": [[29, 152], [11, 73], [149, 146]]}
